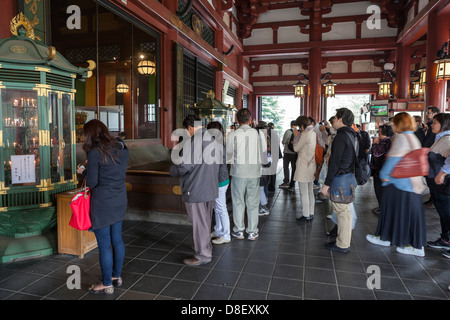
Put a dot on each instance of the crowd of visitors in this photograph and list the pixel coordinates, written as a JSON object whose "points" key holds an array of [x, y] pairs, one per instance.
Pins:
{"points": [[323, 153], [245, 161]]}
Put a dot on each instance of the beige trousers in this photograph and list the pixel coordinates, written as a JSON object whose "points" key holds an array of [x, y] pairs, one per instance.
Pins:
{"points": [[344, 222]]}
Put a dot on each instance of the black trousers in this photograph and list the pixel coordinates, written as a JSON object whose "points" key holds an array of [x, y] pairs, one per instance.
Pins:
{"points": [[289, 159]]}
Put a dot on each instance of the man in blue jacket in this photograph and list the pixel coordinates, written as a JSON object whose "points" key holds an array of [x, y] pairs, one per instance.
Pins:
{"points": [[199, 178]]}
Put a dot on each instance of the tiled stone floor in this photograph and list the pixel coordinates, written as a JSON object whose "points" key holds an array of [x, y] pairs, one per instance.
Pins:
{"points": [[287, 261]]}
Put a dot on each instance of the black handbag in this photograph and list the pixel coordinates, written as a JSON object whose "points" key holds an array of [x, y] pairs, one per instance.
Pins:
{"points": [[343, 188]]}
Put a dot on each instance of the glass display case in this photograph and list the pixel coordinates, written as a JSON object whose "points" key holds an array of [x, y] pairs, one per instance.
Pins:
{"points": [[37, 141], [20, 143]]}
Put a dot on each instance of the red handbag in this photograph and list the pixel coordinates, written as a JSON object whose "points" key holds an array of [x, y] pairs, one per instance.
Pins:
{"points": [[413, 164], [80, 206]]}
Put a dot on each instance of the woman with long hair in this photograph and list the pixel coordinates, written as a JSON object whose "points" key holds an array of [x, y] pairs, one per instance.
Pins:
{"points": [[107, 160], [402, 217]]}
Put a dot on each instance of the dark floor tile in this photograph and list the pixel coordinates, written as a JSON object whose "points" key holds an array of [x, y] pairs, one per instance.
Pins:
{"points": [[320, 291], [179, 289], [349, 293], [384, 295], [424, 288], [150, 284], [253, 282], [357, 280], [43, 287], [320, 275], [228, 264], [197, 274], [242, 294], [259, 268], [288, 271], [139, 266], [19, 281], [286, 287], [167, 270], [291, 259], [212, 292]]}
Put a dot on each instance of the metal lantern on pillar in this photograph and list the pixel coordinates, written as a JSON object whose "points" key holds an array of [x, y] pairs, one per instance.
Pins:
{"points": [[423, 76], [443, 63], [299, 87], [418, 89], [329, 86], [384, 86]]}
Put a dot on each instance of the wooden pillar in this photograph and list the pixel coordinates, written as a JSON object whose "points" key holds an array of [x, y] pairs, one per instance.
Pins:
{"points": [[437, 34], [219, 71], [403, 72], [9, 11], [167, 76], [171, 5], [314, 87]]}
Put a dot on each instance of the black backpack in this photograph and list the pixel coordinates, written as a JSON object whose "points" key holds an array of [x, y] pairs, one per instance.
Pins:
{"points": [[291, 142], [362, 169]]}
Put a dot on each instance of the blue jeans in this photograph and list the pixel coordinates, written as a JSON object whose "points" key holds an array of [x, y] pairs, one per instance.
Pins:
{"points": [[111, 262]]}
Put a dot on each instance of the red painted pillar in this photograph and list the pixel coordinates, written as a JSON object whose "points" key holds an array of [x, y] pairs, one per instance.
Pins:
{"points": [[8, 11], [171, 5], [167, 76], [437, 34], [403, 72], [315, 85]]}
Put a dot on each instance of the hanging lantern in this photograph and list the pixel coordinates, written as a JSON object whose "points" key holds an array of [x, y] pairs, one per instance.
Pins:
{"points": [[443, 64], [329, 86], [423, 76], [122, 88], [418, 90], [299, 87], [384, 87], [146, 67], [329, 89], [443, 69]]}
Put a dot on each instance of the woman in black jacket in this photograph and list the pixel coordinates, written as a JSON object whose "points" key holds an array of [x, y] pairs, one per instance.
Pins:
{"points": [[379, 150], [107, 160]]}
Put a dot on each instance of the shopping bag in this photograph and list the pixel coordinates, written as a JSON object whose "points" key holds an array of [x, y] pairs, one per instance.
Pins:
{"points": [[80, 206]]}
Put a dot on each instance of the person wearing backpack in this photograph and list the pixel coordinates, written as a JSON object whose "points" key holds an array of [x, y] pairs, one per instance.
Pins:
{"points": [[289, 158]]}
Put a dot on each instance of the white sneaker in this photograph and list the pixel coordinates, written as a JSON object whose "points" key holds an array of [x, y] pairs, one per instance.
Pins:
{"points": [[412, 251], [252, 236], [220, 240], [376, 240], [213, 235]]}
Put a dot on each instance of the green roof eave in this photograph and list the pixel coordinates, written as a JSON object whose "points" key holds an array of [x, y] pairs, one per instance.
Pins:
{"points": [[23, 50]]}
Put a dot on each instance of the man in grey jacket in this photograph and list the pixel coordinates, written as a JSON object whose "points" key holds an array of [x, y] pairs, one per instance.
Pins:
{"points": [[245, 150], [199, 171]]}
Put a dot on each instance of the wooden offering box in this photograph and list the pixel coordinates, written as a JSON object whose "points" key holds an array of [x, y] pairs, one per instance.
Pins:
{"points": [[70, 240]]}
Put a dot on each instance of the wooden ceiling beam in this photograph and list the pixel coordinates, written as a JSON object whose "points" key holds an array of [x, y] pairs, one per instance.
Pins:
{"points": [[353, 88], [335, 76], [330, 46]]}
